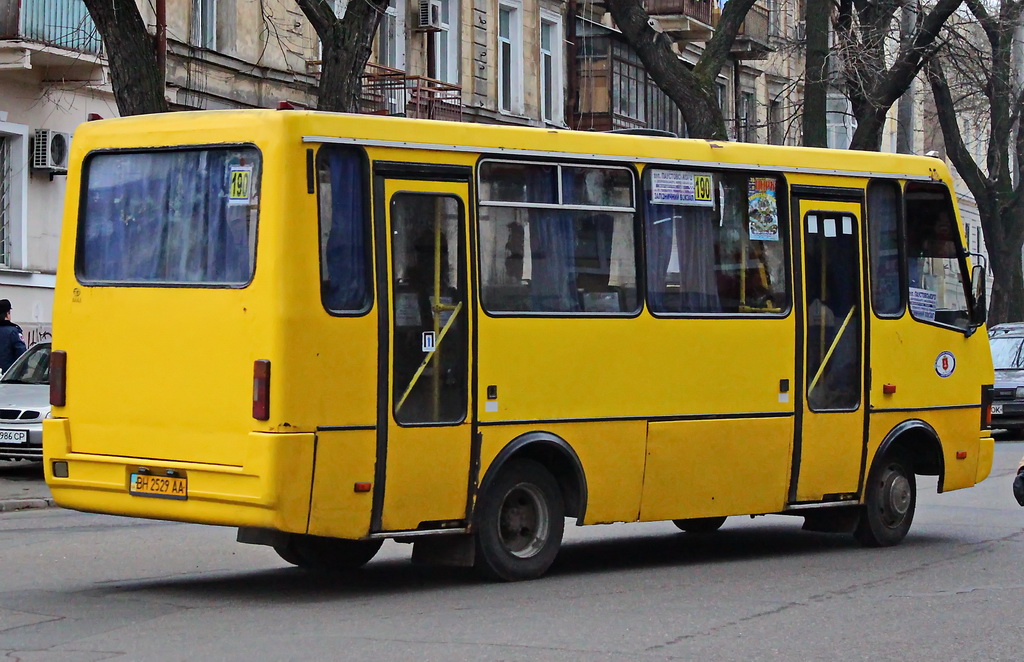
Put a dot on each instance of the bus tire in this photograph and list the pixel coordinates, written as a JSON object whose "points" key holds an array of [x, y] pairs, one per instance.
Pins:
{"points": [[700, 524], [327, 555], [890, 499], [519, 523]]}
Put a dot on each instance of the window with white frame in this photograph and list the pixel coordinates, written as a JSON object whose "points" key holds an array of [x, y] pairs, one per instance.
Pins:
{"points": [[839, 121], [551, 65], [14, 162], [5, 201], [510, 57], [204, 24], [446, 44], [391, 36]]}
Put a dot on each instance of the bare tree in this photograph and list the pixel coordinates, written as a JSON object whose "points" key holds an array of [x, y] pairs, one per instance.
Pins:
{"points": [[135, 72], [866, 33], [347, 42], [975, 83], [693, 90]]}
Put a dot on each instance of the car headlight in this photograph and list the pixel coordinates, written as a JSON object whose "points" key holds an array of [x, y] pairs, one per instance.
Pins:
{"points": [[1019, 393]]}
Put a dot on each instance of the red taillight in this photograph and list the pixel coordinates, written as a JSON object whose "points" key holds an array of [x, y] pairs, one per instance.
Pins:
{"points": [[261, 389], [58, 378]]}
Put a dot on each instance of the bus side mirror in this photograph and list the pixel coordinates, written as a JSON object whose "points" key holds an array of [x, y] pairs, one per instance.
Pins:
{"points": [[979, 311]]}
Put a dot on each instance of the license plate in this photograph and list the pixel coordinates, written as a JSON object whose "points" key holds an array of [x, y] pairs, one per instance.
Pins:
{"points": [[13, 436], [997, 409], [162, 487]]}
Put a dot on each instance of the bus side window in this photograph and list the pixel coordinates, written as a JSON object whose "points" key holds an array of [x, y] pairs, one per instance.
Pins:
{"points": [[715, 243], [344, 234], [938, 282], [538, 256], [883, 222]]}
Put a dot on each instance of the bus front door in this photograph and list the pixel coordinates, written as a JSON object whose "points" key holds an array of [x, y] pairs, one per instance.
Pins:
{"points": [[423, 420], [828, 454]]}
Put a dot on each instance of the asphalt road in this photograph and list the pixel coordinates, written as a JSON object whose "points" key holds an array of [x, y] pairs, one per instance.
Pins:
{"points": [[81, 587]]}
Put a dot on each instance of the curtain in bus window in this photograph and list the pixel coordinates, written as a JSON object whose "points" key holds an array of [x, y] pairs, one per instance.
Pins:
{"points": [[345, 285], [552, 260], [170, 217], [681, 259]]}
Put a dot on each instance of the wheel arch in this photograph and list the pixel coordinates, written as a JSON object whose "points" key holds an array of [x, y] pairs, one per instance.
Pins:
{"points": [[917, 441], [557, 456]]}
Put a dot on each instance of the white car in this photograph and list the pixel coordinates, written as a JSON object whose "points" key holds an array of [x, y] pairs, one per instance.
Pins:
{"points": [[24, 403]]}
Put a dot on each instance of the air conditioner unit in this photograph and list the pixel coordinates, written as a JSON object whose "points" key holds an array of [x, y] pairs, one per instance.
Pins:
{"points": [[430, 16], [801, 30], [50, 150]]}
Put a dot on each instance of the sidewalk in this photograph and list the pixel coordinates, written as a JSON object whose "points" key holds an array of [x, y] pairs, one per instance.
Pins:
{"points": [[22, 487]]}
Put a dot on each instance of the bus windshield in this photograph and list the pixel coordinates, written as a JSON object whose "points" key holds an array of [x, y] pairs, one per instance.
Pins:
{"points": [[170, 217]]}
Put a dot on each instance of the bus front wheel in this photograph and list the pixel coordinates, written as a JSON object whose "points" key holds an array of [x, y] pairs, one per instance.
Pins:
{"points": [[700, 524], [320, 554], [519, 523], [890, 499]]}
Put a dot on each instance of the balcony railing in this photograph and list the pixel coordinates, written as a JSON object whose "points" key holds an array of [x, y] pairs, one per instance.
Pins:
{"points": [[755, 25], [699, 10], [62, 23], [388, 91]]}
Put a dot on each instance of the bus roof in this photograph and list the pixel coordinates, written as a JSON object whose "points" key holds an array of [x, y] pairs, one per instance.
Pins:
{"points": [[197, 127]]}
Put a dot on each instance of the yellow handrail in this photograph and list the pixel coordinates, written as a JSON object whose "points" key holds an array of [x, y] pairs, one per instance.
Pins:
{"points": [[428, 358], [832, 348]]}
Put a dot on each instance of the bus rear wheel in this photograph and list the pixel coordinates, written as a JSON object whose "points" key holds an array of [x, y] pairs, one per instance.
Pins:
{"points": [[890, 499], [700, 524], [327, 555], [519, 523]]}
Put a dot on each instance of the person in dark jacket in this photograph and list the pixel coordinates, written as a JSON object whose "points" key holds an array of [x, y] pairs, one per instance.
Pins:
{"points": [[1018, 483], [12, 341]]}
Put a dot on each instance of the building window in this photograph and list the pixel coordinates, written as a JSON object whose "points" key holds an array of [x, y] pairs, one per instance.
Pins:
{"points": [[391, 36], [204, 24], [14, 162], [510, 58], [747, 129], [551, 63], [446, 44], [776, 125], [5, 201], [839, 122]]}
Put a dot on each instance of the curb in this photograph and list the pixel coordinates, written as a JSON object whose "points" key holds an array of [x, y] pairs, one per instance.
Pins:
{"points": [[11, 505]]}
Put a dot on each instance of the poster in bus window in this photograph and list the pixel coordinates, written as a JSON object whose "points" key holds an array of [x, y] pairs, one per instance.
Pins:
{"points": [[763, 209], [674, 187]]}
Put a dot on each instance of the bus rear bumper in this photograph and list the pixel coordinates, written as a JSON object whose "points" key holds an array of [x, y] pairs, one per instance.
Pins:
{"points": [[270, 490]]}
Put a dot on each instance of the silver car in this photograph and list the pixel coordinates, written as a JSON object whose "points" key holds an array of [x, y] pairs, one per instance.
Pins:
{"points": [[24, 403]]}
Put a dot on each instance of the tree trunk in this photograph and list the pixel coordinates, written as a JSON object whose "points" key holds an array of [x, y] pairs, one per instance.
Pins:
{"points": [[816, 29], [135, 74], [347, 43], [1007, 286], [692, 91]]}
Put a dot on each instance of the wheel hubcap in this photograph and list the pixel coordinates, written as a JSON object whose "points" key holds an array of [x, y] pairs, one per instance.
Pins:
{"points": [[896, 497], [524, 521]]}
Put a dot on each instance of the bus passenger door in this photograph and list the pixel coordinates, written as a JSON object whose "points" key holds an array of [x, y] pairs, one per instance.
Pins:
{"points": [[423, 420], [829, 447]]}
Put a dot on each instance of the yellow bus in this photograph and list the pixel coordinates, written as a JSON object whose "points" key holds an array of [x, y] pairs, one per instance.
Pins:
{"points": [[330, 330]]}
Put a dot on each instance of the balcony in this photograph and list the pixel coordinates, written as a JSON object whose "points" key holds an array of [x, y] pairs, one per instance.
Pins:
{"points": [[752, 39], [683, 19], [388, 91], [57, 38]]}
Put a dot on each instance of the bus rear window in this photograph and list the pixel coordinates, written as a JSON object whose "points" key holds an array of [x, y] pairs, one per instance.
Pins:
{"points": [[183, 217]]}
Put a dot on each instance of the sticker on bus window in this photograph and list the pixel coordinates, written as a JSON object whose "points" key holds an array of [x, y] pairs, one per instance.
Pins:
{"points": [[923, 303], [240, 185], [763, 209], [672, 187]]}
